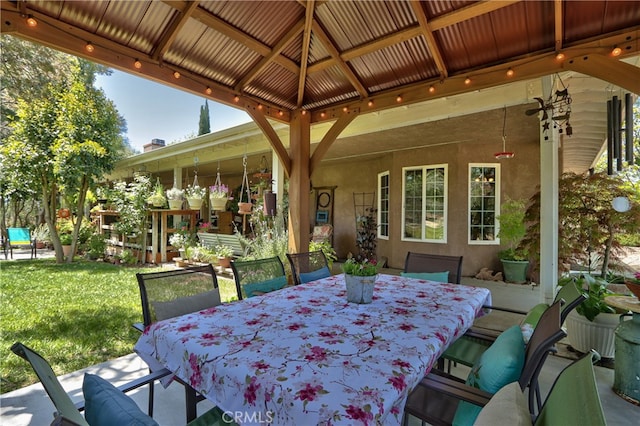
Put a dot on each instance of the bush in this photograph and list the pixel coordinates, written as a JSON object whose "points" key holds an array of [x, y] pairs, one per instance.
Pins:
{"points": [[95, 246]]}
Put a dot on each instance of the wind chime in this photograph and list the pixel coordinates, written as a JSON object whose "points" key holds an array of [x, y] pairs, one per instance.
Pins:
{"points": [[245, 207], [504, 153], [556, 108]]}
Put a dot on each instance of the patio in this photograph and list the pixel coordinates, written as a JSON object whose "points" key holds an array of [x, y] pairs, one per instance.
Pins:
{"points": [[30, 405]]}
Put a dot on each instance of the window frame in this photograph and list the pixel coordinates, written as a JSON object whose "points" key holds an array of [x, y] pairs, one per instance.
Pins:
{"points": [[496, 196], [383, 203], [445, 211]]}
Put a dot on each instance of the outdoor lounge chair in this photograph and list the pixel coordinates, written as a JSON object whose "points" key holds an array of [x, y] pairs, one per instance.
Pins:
{"points": [[432, 266], [437, 398], [308, 266], [19, 237], [172, 293], [256, 277]]}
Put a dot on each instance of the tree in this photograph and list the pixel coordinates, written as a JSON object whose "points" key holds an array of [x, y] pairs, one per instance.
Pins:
{"points": [[205, 126], [63, 143]]}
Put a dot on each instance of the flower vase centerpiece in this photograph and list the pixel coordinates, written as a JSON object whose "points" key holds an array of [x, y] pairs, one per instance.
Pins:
{"points": [[195, 194], [218, 196], [174, 196], [359, 278]]}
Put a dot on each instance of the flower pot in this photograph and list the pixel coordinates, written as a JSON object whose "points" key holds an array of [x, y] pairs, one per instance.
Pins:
{"points": [[598, 334], [633, 288], [175, 204], [515, 271], [195, 203], [359, 289], [224, 262], [245, 207], [218, 204], [66, 250]]}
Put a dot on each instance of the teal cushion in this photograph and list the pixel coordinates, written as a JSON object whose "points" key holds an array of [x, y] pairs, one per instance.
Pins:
{"points": [[106, 405], [498, 366], [442, 277], [265, 286], [323, 272]]}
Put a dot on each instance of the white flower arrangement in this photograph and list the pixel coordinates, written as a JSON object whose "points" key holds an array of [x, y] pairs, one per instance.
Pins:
{"points": [[195, 191], [174, 193]]}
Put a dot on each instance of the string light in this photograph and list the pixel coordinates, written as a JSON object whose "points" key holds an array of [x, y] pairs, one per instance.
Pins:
{"points": [[208, 91], [31, 21], [432, 89], [399, 99], [467, 81], [260, 107], [304, 112], [370, 103], [510, 72], [345, 109], [322, 114], [280, 113], [560, 56], [236, 98], [137, 64], [616, 51], [89, 47], [176, 74]]}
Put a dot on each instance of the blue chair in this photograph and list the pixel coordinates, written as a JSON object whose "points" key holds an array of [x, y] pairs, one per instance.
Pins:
{"points": [[19, 237]]}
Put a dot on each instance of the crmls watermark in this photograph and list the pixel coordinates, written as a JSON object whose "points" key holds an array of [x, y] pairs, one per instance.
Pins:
{"points": [[247, 417]]}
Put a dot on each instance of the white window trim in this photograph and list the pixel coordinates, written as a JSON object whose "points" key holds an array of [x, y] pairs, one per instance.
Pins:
{"points": [[496, 227], [380, 176], [424, 168]]}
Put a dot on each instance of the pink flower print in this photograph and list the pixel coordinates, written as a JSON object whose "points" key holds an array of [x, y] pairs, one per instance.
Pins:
{"points": [[398, 382], [187, 327], [400, 311], [196, 374], [441, 337], [317, 354], [254, 321], [260, 365], [251, 390], [295, 326], [304, 310], [309, 392], [400, 363], [357, 413], [407, 327]]}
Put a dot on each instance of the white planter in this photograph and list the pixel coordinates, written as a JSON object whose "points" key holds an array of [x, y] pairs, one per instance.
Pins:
{"points": [[175, 204], [195, 203], [598, 334], [218, 204]]}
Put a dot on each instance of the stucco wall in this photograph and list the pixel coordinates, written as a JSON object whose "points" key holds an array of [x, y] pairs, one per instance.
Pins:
{"points": [[456, 142]]}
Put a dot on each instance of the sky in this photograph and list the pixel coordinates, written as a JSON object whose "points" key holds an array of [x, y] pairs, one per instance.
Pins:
{"points": [[156, 111]]}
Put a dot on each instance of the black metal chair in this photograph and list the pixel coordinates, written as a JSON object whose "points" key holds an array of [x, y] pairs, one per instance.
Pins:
{"points": [[260, 276], [436, 398], [433, 263], [308, 266], [172, 293]]}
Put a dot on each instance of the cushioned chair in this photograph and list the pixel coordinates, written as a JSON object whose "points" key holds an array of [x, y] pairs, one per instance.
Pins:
{"points": [[308, 266], [19, 237], [434, 267], [256, 277], [442, 399], [171, 293], [572, 400]]}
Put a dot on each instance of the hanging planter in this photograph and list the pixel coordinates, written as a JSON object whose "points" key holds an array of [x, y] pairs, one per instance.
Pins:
{"points": [[245, 207], [195, 194], [218, 194]]}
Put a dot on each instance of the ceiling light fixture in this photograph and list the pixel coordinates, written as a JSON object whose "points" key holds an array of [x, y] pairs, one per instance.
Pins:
{"points": [[504, 154], [616, 51], [89, 47], [31, 21], [137, 64]]}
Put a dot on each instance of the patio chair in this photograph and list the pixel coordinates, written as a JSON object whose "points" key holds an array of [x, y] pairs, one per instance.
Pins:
{"points": [[257, 277], [573, 399], [435, 267], [440, 398], [172, 293], [308, 266], [19, 237]]}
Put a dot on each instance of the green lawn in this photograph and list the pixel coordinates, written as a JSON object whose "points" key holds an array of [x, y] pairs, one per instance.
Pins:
{"points": [[75, 315]]}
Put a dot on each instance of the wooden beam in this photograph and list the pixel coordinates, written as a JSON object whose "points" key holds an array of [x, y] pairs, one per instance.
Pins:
{"points": [[612, 70], [466, 13], [329, 138], [335, 54], [275, 52], [558, 21], [427, 33], [170, 34], [304, 56], [272, 137], [299, 182]]}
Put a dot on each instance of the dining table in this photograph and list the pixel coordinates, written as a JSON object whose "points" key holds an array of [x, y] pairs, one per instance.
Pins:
{"points": [[303, 355]]}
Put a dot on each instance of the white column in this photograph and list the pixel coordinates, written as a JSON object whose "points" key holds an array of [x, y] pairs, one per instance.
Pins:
{"points": [[549, 176], [277, 174]]}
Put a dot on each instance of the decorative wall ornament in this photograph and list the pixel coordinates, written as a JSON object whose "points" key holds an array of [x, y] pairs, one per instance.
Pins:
{"points": [[556, 109]]}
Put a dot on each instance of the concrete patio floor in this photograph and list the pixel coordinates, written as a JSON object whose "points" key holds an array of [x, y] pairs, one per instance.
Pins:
{"points": [[31, 405]]}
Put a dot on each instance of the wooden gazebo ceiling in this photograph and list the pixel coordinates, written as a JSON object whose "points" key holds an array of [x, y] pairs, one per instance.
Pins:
{"points": [[336, 57]]}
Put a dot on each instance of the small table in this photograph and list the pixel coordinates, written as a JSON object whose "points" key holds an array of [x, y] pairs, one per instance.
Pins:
{"points": [[627, 364], [304, 355]]}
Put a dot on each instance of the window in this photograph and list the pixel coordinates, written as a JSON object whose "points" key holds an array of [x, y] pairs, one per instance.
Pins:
{"points": [[383, 205], [425, 203], [484, 202]]}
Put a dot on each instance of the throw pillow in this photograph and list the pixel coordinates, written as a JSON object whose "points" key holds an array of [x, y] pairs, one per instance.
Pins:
{"points": [[106, 405], [441, 277], [508, 407], [499, 365], [323, 272]]}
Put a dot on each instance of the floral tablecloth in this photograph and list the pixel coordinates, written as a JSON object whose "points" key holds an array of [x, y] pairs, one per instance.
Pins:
{"points": [[303, 355]]}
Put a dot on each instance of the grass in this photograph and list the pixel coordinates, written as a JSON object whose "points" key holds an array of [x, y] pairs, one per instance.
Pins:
{"points": [[75, 315]]}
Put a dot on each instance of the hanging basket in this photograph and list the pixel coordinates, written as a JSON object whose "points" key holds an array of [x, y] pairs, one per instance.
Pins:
{"points": [[218, 204], [195, 203], [245, 207], [175, 204]]}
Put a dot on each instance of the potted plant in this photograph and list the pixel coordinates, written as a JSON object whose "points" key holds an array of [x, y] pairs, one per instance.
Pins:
{"points": [[359, 278], [157, 198], [218, 196], [512, 231], [592, 324], [195, 194], [174, 196], [41, 235], [224, 253]]}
